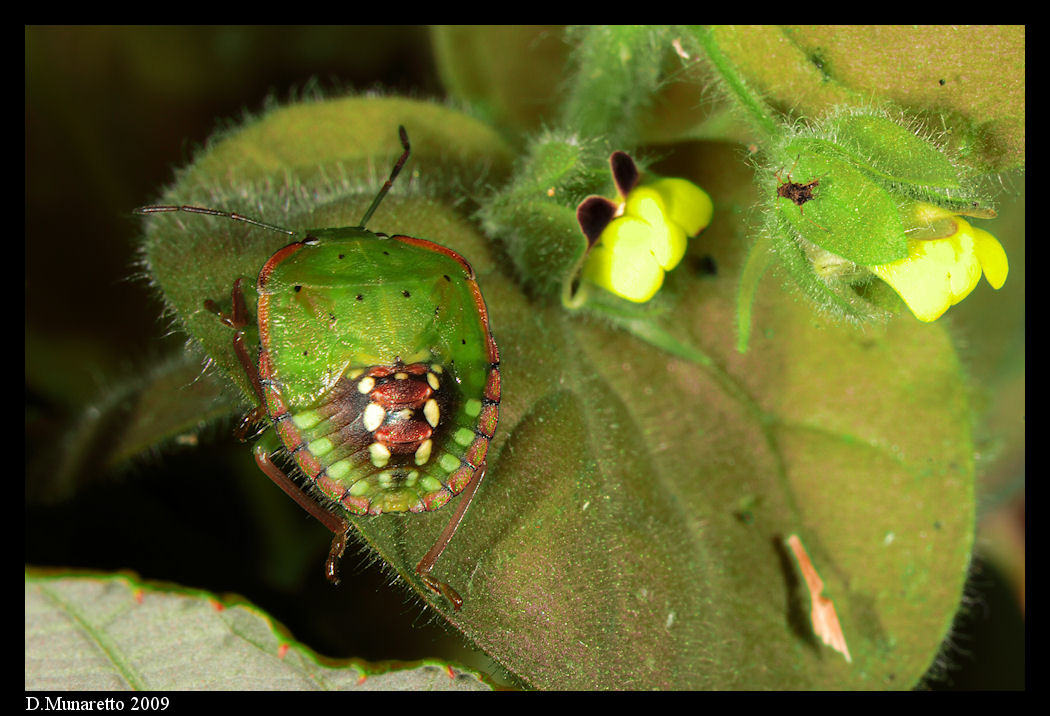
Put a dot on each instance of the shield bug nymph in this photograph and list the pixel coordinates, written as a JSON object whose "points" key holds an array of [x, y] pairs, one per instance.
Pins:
{"points": [[376, 368]]}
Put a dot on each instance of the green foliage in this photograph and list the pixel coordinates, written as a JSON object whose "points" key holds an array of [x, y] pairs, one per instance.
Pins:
{"points": [[117, 634], [535, 215], [645, 472]]}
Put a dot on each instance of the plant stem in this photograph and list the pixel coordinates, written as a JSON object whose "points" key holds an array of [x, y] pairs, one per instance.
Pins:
{"points": [[753, 105], [757, 261]]}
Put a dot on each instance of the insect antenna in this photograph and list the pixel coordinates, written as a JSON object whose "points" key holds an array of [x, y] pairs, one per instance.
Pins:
{"points": [[167, 208], [389, 182]]}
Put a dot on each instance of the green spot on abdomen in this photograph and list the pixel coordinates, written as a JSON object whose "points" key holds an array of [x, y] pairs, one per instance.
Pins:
{"points": [[321, 446], [306, 419], [430, 484], [449, 462], [339, 470]]}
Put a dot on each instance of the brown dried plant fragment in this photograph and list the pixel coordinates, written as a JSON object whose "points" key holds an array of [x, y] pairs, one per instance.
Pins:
{"points": [[825, 619]]}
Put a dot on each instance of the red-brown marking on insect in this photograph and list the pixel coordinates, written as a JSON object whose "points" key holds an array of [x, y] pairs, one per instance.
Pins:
{"points": [[404, 436], [458, 480], [488, 418], [400, 394], [492, 386], [477, 451], [403, 399]]}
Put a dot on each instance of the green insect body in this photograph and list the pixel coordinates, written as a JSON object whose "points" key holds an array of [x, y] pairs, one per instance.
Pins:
{"points": [[379, 370], [376, 368]]}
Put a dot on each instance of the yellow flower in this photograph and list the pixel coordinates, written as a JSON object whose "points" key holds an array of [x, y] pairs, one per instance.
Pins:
{"points": [[635, 242], [939, 272]]}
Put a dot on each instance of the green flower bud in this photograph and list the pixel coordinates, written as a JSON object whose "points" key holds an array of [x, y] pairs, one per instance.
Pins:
{"points": [[867, 196], [534, 216]]}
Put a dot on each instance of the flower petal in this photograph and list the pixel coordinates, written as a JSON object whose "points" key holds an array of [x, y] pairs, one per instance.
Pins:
{"points": [[921, 279], [667, 240], [624, 171], [623, 262], [685, 203], [963, 269], [992, 256], [668, 244], [594, 214], [646, 204]]}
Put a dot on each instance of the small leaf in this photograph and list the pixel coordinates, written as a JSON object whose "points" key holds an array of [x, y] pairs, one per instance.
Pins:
{"points": [[887, 150], [105, 633]]}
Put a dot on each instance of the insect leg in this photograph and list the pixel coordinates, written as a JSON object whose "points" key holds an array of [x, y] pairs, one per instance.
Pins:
{"points": [[430, 558], [338, 525], [237, 320]]}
